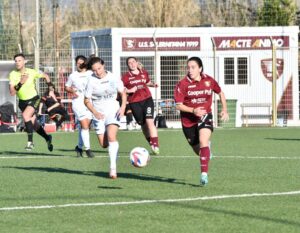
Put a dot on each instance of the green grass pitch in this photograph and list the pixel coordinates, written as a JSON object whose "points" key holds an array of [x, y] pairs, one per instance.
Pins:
{"points": [[254, 185]]}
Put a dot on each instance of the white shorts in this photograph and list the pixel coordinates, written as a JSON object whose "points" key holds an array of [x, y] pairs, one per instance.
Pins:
{"points": [[109, 119], [81, 112]]}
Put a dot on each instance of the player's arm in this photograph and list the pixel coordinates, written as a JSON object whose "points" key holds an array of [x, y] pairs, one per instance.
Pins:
{"points": [[14, 88], [40, 108], [198, 111], [224, 114], [69, 88], [151, 84], [58, 97], [46, 77], [179, 96], [123, 96], [131, 90], [90, 107]]}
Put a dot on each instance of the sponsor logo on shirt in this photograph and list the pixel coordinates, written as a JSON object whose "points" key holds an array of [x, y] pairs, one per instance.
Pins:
{"points": [[137, 81], [191, 86], [200, 92], [207, 83]]}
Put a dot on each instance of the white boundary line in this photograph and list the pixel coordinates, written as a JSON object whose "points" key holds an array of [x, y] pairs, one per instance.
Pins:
{"points": [[154, 157], [205, 198]]}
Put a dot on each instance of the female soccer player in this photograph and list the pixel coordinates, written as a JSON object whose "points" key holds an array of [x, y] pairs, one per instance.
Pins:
{"points": [[193, 96], [76, 85], [22, 83], [101, 99], [136, 82]]}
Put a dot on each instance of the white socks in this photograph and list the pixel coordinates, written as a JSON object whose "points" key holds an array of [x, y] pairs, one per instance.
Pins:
{"points": [[85, 135], [113, 149]]}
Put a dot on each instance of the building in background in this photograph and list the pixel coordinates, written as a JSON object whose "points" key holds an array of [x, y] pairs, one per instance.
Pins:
{"points": [[240, 58]]}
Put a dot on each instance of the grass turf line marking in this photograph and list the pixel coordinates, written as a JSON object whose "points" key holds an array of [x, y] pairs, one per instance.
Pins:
{"points": [[205, 198], [156, 157]]}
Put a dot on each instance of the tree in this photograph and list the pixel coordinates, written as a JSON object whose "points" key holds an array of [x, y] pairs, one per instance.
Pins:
{"points": [[9, 36], [277, 13], [227, 13], [129, 13]]}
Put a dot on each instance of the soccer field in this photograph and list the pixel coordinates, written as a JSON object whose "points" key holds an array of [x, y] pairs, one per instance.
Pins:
{"points": [[254, 185]]}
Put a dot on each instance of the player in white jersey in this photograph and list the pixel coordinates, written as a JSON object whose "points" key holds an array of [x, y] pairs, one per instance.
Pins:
{"points": [[101, 99], [76, 85]]}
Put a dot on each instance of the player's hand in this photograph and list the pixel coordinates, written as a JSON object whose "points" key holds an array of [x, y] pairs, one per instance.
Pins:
{"points": [[224, 116], [99, 115], [24, 78], [199, 112], [155, 85], [121, 112], [132, 90]]}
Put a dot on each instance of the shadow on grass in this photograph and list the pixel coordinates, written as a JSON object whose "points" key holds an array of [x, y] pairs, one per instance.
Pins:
{"points": [[240, 214], [284, 139], [73, 150], [108, 187], [121, 175], [29, 153], [103, 151]]}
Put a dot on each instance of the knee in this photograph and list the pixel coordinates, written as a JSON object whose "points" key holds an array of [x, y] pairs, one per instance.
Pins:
{"points": [[204, 143]]}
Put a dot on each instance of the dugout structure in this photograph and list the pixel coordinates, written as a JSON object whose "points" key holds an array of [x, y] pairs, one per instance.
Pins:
{"points": [[240, 58], [5, 68]]}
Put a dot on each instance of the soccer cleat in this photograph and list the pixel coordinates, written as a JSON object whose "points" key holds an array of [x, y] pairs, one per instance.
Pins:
{"points": [[204, 179], [49, 143], [129, 127], [78, 151], [30, 146], [89, 153], [155, 150], [113, 174]]}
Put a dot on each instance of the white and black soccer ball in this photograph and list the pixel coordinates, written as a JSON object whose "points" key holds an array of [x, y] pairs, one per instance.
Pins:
{"points": [[139, 157]]}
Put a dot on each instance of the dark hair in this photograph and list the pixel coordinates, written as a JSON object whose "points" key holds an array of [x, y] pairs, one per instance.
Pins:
{"points": [[198, 61], [130, 58], [50, 85], [80, 57], [19, 55], [95, 60]]}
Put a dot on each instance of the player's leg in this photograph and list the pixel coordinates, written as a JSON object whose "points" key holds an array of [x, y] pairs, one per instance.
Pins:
{"points": [[129, 118], [151, 128], [34, 104], [205, 130], [80, 144], [40, 130], [192, 136], [139, 116], [148, 110], [204, 153], [85, 135], [63, 116], [113, 149], [100, 129], [27, 113]]}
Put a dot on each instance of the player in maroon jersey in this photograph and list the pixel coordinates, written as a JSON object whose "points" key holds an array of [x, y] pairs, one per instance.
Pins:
{"points": [[193, 96], [136, 82]]}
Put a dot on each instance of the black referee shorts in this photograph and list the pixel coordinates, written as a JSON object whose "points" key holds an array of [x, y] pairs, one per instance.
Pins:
{"points": [[33, 102]]}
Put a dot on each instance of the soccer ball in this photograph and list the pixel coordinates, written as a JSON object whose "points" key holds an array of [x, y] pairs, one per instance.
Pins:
{"points": [[139, 157]]}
